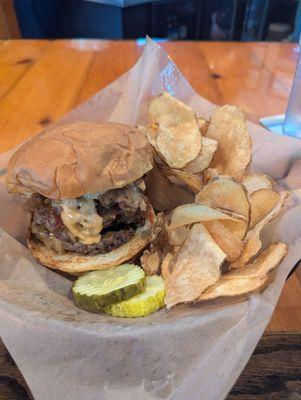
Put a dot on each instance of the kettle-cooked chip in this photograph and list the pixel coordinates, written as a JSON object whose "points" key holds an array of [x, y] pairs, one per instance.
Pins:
{"points": [[150, 262], [257, 181], [177, 236], [227, 125], [229, 243], [251, 278], [165, 265], [178, 138], [195, 267], [262, 201], [204, 158], [193, 182], [203, 125], [252, 242], [188, 214], [226, 194]]}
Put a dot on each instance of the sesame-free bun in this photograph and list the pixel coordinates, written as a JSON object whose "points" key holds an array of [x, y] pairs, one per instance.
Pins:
{"points": [[76, 264], [71, 160]]}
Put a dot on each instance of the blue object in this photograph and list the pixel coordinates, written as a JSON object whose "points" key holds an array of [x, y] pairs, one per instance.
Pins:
{"points": [[292, 122], [274, 124]]}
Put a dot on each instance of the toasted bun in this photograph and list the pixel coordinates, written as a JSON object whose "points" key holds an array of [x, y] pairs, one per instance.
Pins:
{"points": [[75, 159], [75, 264]]}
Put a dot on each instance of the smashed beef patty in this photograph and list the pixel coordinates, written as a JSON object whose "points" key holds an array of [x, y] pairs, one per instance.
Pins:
{"points": [[122, 210]]}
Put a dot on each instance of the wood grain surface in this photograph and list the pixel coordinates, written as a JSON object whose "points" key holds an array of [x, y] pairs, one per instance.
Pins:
{"points": [[42, 80]]}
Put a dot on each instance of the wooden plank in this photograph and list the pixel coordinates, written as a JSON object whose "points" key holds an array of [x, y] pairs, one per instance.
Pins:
{"points": [[103, 69], [244, 78], [192, 62], [46, 92], [16, 57], [287, 315], [273, 372]]}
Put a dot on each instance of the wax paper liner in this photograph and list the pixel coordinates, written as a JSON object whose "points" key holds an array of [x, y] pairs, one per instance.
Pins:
{"points": [[189, 352]]}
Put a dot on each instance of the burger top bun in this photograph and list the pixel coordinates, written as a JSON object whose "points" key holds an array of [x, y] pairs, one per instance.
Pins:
{"points": [[71, 160]]}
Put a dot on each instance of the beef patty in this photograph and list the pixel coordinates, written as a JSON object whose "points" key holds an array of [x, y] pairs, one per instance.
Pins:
{"points": [[122, 210]]}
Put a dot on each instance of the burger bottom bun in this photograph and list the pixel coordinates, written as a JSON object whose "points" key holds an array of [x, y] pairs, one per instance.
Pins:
{"points": [[76, 264]]}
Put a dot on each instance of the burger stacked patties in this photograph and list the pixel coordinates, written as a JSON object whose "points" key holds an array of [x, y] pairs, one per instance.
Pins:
{"points": [[85, 194]]}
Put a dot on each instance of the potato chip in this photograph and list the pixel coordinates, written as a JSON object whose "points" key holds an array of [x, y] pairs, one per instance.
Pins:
{"points": [[195, 267], [158, 160], [165, 265], [227, 125], [252, 277], [178, 138], [252, 242], [257, 181], [151, 133], [204, 158], [226, 194], [262, 202], [193, 182], [209, 174], [177, 236], [203, 125], [164, 195], [234, 287], [188, 214], [150, 262], [229, 243]]}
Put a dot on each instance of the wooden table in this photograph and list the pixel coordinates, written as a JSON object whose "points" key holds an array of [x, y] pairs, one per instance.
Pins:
{"points": [[42, 80]]}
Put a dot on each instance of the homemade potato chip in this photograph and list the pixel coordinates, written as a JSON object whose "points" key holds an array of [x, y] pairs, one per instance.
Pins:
{"points": [[262, 201], [165, 265], [227, 287], [163, 194], [177, 236], [193, 182], [158, 159], [188, 214], [209, 174], [252, 242], [252, 277], [257, 181], [203, 125], [227, 125], [226, 194], [150, 262], [204, 158], [195, 267], [151, 133], [229, 243], [229, 211], [178, 136]]}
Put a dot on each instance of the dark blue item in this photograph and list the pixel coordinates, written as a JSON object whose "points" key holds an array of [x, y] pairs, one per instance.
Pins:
{"points": [[39, 18]]}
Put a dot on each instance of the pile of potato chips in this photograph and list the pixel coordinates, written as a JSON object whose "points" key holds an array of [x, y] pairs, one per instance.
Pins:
{"points": [[208, 244]]}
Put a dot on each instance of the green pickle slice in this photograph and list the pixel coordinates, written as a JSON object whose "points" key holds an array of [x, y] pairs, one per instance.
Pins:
{"points": [[143, 304], [98, 289]]}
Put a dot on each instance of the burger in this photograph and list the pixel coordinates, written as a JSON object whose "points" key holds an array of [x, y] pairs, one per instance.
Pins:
{"points": [[85, 192]]}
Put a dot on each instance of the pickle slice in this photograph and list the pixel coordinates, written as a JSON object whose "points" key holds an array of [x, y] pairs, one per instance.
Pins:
{"points": [[143, 304], [97, 289]]}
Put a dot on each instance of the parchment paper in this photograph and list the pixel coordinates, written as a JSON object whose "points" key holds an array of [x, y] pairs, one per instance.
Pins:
{"points": [[190, 352]]}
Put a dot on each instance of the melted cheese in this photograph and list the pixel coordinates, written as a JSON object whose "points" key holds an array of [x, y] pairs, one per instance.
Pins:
{"points": [[81, 218]]}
